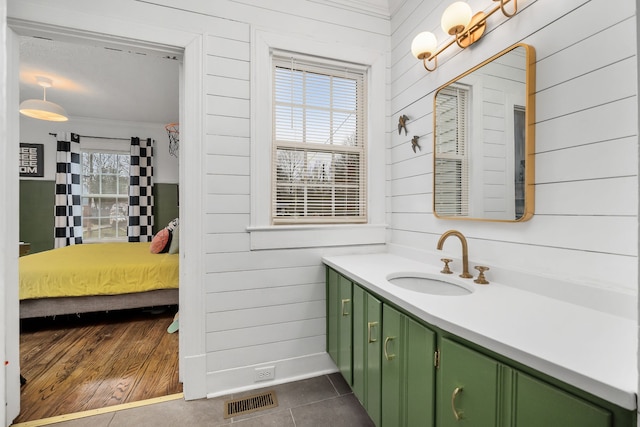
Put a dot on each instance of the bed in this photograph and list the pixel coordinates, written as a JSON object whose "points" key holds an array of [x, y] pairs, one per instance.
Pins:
{"points": [[96, 277]]}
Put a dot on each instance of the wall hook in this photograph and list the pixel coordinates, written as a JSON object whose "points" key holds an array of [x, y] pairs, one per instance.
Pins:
{"points": [[415, 144], [402, 124]]}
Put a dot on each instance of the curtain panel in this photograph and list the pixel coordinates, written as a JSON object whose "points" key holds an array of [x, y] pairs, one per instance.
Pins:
{"points": [[68, 207], [141, 191]]}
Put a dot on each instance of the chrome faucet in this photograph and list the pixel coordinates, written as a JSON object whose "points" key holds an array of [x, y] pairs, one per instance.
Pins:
{"points": [[465, 252]]}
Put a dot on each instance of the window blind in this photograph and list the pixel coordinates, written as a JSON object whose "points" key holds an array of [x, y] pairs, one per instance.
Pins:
{"points": [[451, 196], [319, 140]]}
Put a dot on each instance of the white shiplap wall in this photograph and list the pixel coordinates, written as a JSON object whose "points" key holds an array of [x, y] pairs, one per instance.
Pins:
{"points": [[264, 308], [584, 232], [258, 307]]}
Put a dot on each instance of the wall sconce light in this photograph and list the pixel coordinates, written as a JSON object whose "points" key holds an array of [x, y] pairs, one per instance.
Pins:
{"points": [[458, 21], [41, 108]]}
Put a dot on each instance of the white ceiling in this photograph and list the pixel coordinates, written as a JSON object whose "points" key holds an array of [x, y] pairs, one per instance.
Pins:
{"points": [[102, 81]]}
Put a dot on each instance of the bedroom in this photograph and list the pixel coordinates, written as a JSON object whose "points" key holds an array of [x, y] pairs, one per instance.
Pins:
{"points": [[110, 94]]}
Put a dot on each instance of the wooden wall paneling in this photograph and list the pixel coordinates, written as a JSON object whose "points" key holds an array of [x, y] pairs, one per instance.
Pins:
{"points": [[279, 350], [602, 86], [616, 196], [227, 86], [263, 334], [614, 158], [227, 242], [225, 223], [227, 203], [235, 319], [228, 165], [228, 184], [228, 145], [612, 121], [266, 278], [251, 298]]}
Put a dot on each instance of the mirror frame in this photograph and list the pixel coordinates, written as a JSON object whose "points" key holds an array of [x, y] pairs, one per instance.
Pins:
{"points": [[529, 149]]}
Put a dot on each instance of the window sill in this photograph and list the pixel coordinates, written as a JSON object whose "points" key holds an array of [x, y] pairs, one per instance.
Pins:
{"points": [[316, 236]]}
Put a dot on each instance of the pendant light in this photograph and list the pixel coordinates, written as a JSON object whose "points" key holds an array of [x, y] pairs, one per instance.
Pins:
{"points": [[41, 108]]}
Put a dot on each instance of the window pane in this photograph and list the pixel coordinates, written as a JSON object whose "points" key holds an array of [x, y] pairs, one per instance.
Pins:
{"points": [[318, 172], [105, 187]]}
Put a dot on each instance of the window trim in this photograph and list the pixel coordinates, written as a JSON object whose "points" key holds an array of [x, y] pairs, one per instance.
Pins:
{"points": [[264, 235]]}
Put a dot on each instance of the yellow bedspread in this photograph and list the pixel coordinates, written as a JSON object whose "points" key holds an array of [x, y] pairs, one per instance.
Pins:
{"points": [[96, 269]]}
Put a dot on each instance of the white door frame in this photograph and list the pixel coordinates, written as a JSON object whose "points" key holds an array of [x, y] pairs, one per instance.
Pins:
{"points": [[191, 163]]}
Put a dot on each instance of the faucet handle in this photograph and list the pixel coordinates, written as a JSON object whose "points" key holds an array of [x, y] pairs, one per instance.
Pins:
{"points": [[446, 269], [481, 280]]}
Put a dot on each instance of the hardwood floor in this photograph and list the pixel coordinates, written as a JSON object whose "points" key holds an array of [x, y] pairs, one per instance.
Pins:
{"points": [[74, 364]]}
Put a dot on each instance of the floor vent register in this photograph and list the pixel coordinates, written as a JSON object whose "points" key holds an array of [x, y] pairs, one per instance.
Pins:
{"points": [[247, 405]]}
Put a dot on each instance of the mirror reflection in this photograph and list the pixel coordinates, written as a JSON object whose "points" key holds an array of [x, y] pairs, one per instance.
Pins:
{"points": [[483, 140]]}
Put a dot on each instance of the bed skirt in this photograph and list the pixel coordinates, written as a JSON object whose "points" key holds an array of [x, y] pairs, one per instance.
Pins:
{"points": [[74, 305]]}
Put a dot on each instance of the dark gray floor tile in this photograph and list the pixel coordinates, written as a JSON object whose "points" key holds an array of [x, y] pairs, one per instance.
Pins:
{"points": [[339, 383], [322, 401], [173, 413], [343, 411], [101, 420], [279, 419]]}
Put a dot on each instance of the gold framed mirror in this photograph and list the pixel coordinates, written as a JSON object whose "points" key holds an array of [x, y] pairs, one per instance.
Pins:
{"points": [[484, 140]]}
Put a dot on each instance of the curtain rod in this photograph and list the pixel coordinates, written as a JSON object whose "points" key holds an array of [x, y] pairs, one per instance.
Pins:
{"points": [[99, 137]]}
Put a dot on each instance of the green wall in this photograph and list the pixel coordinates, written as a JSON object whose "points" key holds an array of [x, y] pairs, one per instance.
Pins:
{"points": [[166, 204], [37, 198]]}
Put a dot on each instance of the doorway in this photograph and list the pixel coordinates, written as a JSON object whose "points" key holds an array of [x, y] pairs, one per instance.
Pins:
{"points": [[24, 30]]}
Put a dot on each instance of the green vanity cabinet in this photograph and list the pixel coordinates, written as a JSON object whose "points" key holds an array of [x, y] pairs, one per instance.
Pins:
{"points": [[540, 404], [408, 372], [468, 387], [367, 345], [339, 318]]}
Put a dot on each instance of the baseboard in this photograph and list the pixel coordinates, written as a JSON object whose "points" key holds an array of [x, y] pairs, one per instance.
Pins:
{"points": [[221, 383]]}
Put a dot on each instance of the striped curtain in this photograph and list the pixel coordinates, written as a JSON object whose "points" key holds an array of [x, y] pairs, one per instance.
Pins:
{"points": [[141, 191], [68, 207]]}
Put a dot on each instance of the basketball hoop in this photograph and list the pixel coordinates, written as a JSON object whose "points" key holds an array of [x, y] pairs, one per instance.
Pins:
{"points": [[173, 130]]}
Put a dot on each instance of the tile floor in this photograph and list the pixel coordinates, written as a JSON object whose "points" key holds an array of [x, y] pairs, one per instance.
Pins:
{"points": [[326, 400]]}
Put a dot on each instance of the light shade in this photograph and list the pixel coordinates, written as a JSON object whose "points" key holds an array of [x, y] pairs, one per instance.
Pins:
{"points": [[43, 110], [423, 45], [456, 17]]}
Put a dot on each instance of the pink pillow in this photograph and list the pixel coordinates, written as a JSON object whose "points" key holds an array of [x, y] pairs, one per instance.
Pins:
{"points": [[160, 242]]}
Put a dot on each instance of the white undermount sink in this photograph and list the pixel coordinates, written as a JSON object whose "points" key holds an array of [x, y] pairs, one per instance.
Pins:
{"points": [[429, 284]]}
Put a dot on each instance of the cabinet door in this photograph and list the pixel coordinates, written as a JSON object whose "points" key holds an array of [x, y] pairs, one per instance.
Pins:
{"points": [[540, 404], [468, 387], [420, 375], [392, 333], [367, 316], [339, 317], [407, 371]]}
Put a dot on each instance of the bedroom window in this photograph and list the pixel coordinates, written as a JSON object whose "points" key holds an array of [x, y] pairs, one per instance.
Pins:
{"points": [[319, 139], [105, 195]]}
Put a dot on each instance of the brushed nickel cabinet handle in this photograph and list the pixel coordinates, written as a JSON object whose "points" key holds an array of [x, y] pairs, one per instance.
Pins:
{"points": [[386, 352], [370, 326], [344, 303], [457, 414]]}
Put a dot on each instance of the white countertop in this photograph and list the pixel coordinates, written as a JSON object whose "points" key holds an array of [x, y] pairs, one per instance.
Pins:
{"points": [[589, 349]]}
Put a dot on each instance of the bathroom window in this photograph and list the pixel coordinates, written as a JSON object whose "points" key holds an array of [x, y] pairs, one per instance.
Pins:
{"points": [[319, 140], [451, 197]]}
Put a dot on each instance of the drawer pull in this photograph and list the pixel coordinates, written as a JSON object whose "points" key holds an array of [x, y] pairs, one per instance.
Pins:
{"points": [[457, 414], [386, 352], [370, 326]]}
